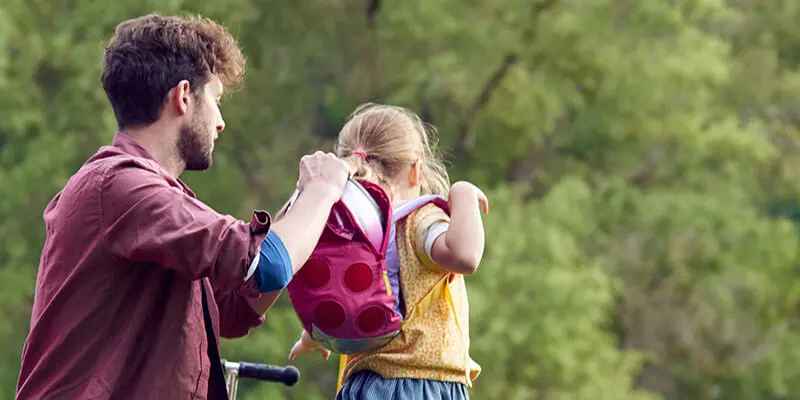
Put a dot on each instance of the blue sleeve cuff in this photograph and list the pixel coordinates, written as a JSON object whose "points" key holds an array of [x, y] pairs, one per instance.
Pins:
{"points": [[274, 270]]}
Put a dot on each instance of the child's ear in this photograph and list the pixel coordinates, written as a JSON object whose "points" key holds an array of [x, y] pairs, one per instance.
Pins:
{"points": [[415, 174]]}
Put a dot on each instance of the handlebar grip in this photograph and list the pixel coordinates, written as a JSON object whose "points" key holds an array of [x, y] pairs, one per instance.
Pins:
{"points": [[288, 375]]}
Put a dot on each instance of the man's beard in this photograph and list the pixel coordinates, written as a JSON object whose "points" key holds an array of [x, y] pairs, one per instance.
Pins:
{"points": [[193, 146]]}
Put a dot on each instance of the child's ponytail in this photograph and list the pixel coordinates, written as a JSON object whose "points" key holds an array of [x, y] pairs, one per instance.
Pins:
{"points": [[381, 141], [368, 168]]}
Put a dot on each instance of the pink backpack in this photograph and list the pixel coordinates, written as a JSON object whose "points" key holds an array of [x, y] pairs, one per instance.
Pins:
{"points": [[347, 295]]}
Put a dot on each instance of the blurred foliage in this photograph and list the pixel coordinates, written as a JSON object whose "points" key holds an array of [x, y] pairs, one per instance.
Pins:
{"points": [[641, 159]]}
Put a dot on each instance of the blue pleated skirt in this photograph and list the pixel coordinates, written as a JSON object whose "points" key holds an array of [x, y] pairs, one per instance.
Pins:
{"points": [[367, 385]]}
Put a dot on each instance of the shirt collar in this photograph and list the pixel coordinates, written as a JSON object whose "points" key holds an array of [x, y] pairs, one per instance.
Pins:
{"points": [[127, 144]]}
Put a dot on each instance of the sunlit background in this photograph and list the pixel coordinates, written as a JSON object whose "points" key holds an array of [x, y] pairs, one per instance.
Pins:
{"points": [[640, 156]]}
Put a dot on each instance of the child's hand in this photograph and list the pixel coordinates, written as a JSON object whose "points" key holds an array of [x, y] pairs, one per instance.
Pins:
{"points": [[466, 189], [307, 345]]}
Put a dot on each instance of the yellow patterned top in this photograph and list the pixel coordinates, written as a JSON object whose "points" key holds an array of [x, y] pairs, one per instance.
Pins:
{"points": [[431, 345]]}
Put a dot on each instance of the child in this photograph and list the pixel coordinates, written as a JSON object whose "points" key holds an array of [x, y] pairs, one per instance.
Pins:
{"points": [[390, 146]]}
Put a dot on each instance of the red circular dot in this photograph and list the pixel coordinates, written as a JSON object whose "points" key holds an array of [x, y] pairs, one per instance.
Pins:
{"points": [[329, 314], [315, 273], [358, 277], [371, 319]]}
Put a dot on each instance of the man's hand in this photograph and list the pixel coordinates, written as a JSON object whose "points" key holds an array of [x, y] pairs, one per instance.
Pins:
{"points": [[322, 180], [324, 171]]}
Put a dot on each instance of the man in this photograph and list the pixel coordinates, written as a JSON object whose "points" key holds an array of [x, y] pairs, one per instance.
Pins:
{"points": [[138, 279]]}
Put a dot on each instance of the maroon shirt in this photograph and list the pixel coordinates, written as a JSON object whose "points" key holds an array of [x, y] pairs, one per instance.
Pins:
{"points": [[117, 311]]}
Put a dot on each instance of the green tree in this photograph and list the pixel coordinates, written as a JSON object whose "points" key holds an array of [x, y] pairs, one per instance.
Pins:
{"points": [[634, 153]]}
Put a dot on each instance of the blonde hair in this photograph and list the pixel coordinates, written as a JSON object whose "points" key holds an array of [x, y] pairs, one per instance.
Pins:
{"points": [[391, 138]]}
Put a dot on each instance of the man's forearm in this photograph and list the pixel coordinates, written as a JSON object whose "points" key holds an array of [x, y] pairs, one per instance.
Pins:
{"points": [[300, 228], [262, 304], [292, 239]]}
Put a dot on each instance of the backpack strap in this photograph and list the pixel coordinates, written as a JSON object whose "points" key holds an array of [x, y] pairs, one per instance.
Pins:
{"points": [[406, 208], [392, 252], [392, 257]]}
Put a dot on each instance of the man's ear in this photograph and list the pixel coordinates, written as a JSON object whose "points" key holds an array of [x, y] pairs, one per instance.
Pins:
{"points": [[180, 96]]}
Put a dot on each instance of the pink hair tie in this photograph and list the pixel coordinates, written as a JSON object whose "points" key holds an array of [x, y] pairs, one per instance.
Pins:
{"points": [[360, 153]]}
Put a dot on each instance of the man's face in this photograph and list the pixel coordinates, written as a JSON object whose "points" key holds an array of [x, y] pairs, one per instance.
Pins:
{"points": [[196, 141]]}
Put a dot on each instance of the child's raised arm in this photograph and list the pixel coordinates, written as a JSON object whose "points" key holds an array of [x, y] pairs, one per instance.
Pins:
{"points": [[460, 249]]}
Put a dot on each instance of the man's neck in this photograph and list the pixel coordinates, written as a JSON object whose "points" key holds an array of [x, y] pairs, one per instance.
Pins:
{"points": [[160, 144]]}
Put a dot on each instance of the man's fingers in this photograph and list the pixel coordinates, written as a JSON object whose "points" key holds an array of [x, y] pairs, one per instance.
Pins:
{"points": [[351, 169], [324, 167]]}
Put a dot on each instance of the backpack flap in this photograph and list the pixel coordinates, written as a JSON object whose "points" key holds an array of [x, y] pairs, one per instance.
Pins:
{"points": [[340, 294], [343, 223]]}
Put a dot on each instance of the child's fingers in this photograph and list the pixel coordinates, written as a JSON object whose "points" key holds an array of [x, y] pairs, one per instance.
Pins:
{"points": [[325, 353], [307, 345], [300, 349], [293, 352], [297, 350], [483, 201]]}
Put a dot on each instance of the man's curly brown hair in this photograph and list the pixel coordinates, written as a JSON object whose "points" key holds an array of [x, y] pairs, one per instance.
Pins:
{"points": [[149, 55]]}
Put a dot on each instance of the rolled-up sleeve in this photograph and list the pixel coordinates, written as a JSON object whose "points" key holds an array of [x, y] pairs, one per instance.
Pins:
{"points": [[427, 223], [145, 219], [236, 316]]}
